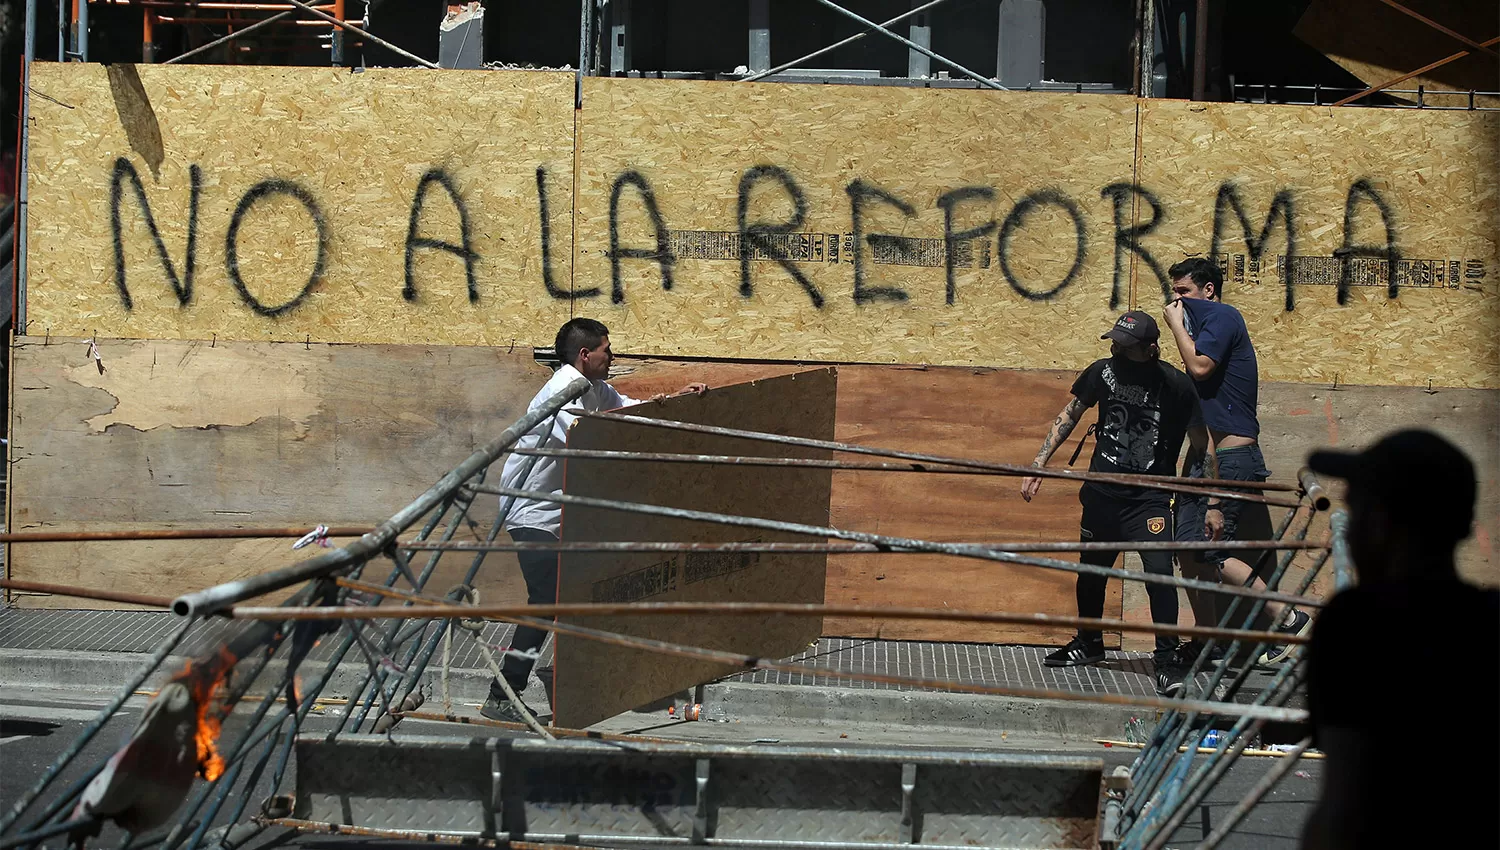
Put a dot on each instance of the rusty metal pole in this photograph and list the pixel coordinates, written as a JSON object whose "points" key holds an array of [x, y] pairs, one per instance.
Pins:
{"points": [[1200, 52]]}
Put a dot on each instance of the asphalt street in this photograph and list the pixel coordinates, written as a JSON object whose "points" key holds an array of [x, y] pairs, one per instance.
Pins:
{"points": [[36, 727]]}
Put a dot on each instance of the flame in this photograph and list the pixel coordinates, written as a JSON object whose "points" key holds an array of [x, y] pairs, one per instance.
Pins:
{"points": [[203, 680], [297, 687]]}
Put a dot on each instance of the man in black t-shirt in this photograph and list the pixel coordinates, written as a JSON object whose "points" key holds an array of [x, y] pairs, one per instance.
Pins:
{"points": [[1373, 665], [1146, 408]]}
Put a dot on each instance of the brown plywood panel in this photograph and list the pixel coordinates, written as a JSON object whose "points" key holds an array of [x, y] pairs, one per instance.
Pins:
{"points": [[1432, 178], [294, 166], [987, 414], [804, 158], [596, 681], [1377, 43], [177, 434], [1298, 419]]}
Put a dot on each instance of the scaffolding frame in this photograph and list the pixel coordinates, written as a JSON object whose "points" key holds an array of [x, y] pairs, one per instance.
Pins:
{"points": [[272, 647]]}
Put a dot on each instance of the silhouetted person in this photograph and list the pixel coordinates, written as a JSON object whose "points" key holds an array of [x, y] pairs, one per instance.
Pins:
{"points": [[1403, 685]]}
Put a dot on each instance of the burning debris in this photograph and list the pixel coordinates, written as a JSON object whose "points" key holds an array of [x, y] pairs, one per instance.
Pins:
{"points": [[145, 781]]}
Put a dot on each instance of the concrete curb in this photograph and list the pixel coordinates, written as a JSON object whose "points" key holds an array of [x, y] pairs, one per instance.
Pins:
{"points": [[731, 701]]}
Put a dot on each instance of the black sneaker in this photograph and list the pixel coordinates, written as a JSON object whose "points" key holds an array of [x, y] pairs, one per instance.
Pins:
{"points": [[499, 707], [1301, 622], [1078, 652], [1192, 649], [1170, 674]]}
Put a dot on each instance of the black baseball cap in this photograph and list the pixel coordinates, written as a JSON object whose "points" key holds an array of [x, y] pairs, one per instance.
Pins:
{"points": [[1416, 474], [1133, 328]]}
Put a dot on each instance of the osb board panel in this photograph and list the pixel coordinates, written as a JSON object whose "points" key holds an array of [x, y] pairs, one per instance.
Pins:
{"points": [[988, 414], [1435, 173], [1376, 43], [1298, 419], [596, 681], [193, 434], [699, 147], [351, 152]]}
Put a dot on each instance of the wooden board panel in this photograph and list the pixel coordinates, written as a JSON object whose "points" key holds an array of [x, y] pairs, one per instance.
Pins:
{"points": [[700, 147], [1435, 174], [1375, 42], [1298, 419], [1001, 415], [596, 681], [990, 414], [188, 434], [294, 165]]}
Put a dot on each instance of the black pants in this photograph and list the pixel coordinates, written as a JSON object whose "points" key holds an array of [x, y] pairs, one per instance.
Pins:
{"points": [[1109, 519], [540, 571]]}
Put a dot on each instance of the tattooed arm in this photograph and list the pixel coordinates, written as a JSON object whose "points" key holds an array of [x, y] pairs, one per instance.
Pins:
{"points": [[1213, 516], [1062, 426]]}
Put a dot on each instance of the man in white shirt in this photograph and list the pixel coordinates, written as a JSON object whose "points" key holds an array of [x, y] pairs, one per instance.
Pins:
{"points": [[583, 347]]}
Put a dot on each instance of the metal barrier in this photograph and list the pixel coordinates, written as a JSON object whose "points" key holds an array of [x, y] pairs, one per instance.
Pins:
{"points": [[588, 792]]}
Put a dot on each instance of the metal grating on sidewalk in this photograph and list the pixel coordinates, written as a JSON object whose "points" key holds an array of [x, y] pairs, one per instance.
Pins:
{"points": [[986, 664], [830, 659]]}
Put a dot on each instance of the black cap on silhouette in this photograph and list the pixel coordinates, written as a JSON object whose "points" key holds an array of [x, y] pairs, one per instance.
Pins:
{"points": [[1417, 475]]}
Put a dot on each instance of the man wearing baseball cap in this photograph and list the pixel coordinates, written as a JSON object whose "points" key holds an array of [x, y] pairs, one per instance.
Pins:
{"points": [[1146, 408], [1403, 771]]}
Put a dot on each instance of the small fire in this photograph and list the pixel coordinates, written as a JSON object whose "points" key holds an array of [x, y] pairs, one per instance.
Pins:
{"points": [[297, 687], [203, 680]]}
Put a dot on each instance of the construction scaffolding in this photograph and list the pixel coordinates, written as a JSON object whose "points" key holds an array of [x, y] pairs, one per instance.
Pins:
{"points": [[209, 761]]}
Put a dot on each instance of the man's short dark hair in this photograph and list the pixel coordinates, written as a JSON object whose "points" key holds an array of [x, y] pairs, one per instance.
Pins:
{"points": [[576, 334], [1202, 271]]}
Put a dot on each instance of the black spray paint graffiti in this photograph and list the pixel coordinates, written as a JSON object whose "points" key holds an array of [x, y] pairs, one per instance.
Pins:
{"points": [[861, 193], [1229, 198], [662, 253], [1349, 250], [464, 250], [545, 211], [784, 243], [1128, 237], [952, 239], [1028, 204], [267, 189], [182, 286], [760, 235]]}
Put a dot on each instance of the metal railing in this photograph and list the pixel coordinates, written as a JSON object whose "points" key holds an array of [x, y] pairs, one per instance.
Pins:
{"points": [[166, 807], [1320, 95]]}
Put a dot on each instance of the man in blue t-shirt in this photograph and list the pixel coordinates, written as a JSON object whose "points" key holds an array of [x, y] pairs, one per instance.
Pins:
{"points": [[1217, 352]]}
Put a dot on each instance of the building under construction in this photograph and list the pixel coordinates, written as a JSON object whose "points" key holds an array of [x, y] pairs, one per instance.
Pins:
{"points": [[289, 272]]}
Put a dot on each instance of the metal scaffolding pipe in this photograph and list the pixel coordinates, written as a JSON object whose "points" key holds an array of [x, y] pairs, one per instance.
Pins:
{"points": [[1195, 486], [446, 610], [176, 534], [760, 75], [856, 548], [959, 549], [87, 593], [869, 24], [373, 39]]}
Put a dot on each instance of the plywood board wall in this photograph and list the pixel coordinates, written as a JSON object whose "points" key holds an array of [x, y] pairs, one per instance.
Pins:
{"points": [[715, 219], [996, 415], [801, 159], [176, 434], [1298, 419], [1377, 42], [1348, 174], [308, 184], [596, 681]]}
